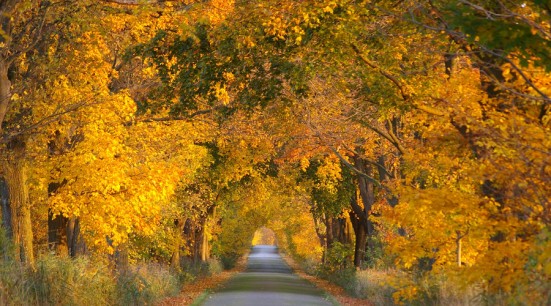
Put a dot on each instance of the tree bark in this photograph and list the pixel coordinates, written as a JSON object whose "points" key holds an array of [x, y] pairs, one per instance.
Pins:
{"points": [[5, 89], [75, 243], [363, 227], [360, 247], [6, 213], [458, 248], [57, 232], [175, 258], [359, 224], [18, 205]]}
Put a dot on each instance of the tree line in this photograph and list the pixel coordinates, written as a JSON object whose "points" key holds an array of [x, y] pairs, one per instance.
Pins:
{"points": [[415, 132]]}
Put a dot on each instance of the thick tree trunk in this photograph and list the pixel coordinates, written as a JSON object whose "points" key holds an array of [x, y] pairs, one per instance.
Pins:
{"points": [[360, 243], [329, 237], [363, 226], [179, 231], [360, 225], [18, 205], [197, 241]]}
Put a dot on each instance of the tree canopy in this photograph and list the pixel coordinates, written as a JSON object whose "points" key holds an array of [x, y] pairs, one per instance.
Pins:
{"points": [[414, 133]]}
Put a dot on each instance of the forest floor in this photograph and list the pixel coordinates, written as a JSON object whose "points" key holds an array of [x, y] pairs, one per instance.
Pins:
{"points": [[193, 291]]}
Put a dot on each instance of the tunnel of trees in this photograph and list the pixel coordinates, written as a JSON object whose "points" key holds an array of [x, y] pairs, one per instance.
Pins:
{"points": [[413, 134]]}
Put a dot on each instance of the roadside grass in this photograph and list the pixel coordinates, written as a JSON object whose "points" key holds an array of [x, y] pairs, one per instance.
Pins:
{"points": [[382, 287], [202, 297], [82, 281], [61, 280]]}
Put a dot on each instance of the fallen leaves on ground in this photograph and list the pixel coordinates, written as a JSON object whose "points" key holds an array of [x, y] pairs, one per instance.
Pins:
{"points": [[191, 291]]}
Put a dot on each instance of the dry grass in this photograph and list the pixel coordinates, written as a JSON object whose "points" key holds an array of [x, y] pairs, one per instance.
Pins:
{"points": [[375, 285]]}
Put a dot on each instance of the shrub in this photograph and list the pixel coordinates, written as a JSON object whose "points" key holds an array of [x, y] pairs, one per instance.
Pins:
{"points": [[338, 268], [214, 266], [229, 260], [375, 285], [145, 284], [66, 281]]}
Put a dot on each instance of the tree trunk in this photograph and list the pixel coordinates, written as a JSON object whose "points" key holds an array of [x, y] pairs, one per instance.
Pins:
{"points": [[197, 241], [175, 258], [329, 237], [363, 226], [360, 225], [458, 247], [57, 226], [5, 89], [75, 243], [360, 243], [6, 213], [121, 258], [205, 248], [18, 205], [57, 232]]}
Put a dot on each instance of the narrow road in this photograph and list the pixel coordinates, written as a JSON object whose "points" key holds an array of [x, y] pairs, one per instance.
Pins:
{"points": [[267, 281]]}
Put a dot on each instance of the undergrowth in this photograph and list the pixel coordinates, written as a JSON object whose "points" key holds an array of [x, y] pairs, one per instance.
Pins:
{"points": [[58, 280]]}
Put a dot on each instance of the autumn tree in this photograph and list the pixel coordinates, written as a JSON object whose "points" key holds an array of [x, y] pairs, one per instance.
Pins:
{"points": [[28, 29]]}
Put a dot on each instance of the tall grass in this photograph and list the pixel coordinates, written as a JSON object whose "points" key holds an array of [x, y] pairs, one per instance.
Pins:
{"points": [[65, 281], [145, 284], [383, 287], [62, 281]]}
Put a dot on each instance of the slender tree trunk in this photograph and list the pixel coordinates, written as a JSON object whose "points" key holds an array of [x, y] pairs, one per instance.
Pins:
{"points": [[121, 258], [5, 88], [329, 233], [75, 243], [6, 213], [197, 241], [205, 249], [57, 232], [458, 247], [57, 226], [322, 237]]}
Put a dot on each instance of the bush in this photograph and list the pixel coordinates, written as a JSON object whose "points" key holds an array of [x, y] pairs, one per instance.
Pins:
{"points": [[14, 289], [229, 260], [338, 267], [145, 285], [55, 281], [374, 285], [214, 266], [66, 281]]}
